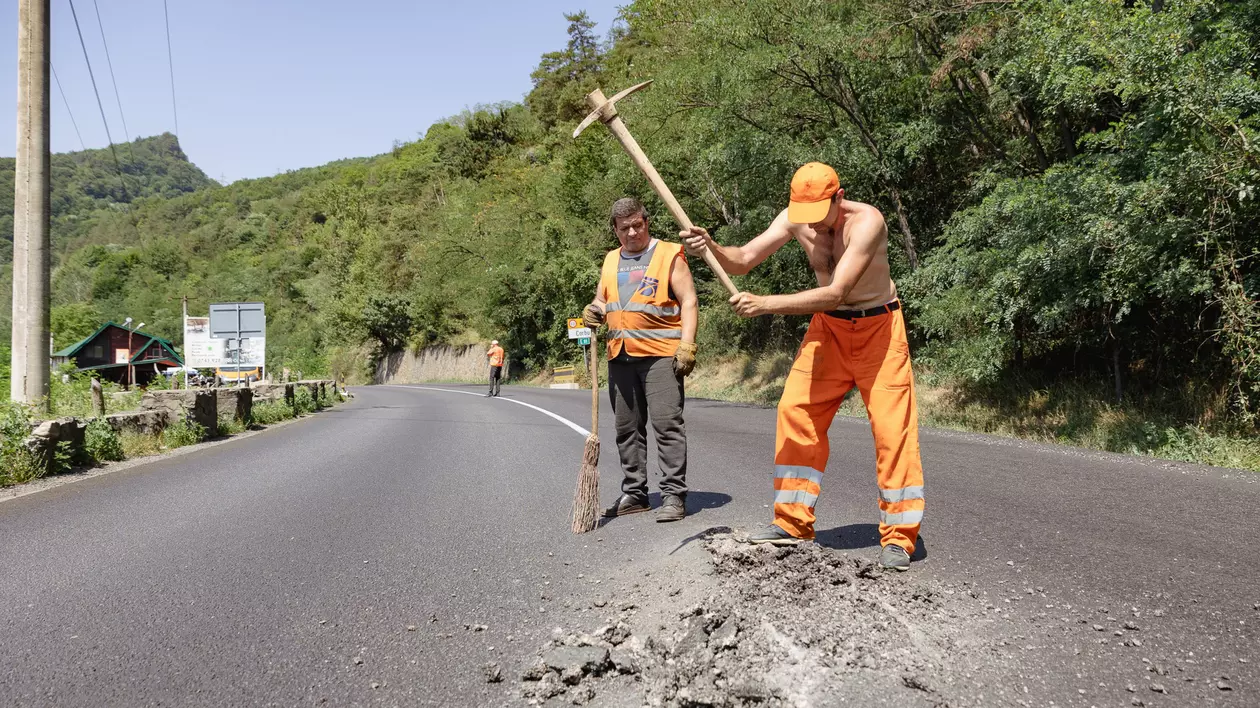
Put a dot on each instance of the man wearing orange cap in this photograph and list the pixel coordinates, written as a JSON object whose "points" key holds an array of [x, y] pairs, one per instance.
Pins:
{"points": [[856, 337], [495, 355]]}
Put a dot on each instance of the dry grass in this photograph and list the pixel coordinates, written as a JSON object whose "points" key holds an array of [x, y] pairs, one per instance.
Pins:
{"points": [[139, 445], [1175, 427]]}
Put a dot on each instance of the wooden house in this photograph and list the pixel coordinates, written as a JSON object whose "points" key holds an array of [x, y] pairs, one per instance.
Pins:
{"points": [[116, 353]]}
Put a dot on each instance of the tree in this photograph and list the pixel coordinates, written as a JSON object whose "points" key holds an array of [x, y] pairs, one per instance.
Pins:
{"points": [[73, 322], [388, 321]]}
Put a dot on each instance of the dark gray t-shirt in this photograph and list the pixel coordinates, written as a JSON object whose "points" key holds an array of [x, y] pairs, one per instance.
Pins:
{"points": [[630, 272]]}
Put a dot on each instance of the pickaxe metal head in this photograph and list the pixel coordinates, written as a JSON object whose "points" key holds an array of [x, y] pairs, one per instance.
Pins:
{"points": [[605, 109]]}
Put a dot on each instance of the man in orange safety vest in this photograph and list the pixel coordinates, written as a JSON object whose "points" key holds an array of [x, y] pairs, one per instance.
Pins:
{"points": [[648, 298], [495, 354]]}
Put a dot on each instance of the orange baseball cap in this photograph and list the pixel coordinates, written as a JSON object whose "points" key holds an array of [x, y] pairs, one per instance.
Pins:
{"points": [[813, 186]]}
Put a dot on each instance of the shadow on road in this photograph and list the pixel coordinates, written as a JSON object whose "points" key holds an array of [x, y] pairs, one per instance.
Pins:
{"points": [[705, 534], [855, 536], [696, 501]]}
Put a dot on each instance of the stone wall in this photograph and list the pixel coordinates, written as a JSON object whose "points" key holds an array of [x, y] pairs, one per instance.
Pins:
{"points": [[47, 434], [321, 389], [139, 422], [234, 403], [434, 364], [192, 405], [273, 392]]}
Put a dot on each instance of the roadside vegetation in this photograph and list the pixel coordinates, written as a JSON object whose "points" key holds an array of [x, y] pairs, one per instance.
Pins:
{"points": [[22, 462], [1070, 188]]}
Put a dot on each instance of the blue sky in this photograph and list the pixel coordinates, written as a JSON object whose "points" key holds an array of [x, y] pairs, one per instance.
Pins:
{"points": [[265, 86]]}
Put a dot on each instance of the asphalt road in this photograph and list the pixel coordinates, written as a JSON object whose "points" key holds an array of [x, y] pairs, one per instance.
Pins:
{"points": [[383, 552]]}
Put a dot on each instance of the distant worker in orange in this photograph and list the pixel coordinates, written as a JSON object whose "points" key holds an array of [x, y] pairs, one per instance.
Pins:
{"points": [[857, 337], [495, 354]]}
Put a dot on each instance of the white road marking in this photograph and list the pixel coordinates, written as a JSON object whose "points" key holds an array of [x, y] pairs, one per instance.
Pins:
{"points": [[577, 428]]}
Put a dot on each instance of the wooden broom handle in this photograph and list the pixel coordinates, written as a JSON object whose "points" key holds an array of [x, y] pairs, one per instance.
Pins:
{"points": [[594, 389], [662, 190]]}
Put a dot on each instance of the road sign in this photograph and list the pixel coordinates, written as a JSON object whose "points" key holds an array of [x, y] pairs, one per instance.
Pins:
{"points": [[584, 341], [576, 323], [237, 320], [580, 333], [563, 374]]}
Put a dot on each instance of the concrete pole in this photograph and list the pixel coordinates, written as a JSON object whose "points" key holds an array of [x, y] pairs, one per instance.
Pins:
{"points": [[30, 365], [185, 366]]}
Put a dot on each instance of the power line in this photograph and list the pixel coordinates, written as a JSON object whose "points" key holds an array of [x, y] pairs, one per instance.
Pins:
{"points": [[171, 63], [63, 98], [117, 96], [99, 105]]}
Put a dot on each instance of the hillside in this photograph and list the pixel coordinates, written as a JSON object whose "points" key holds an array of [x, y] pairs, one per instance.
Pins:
{"points": [[1069, 190], [83, 182]]}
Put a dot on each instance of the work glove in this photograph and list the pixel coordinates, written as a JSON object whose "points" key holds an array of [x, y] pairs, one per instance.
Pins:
{"points": [[592, 316], [685, 358]]}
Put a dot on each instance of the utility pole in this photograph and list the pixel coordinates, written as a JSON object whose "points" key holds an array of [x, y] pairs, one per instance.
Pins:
{"points": [[185, 325], [31, 368]]}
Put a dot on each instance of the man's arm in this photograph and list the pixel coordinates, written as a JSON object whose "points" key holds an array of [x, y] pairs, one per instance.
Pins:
{"points": [[864, 244], [738, 260], [684, 290]]}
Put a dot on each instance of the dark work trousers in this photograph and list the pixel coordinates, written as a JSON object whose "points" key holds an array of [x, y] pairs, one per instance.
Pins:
{"points": [[496, 373], [643, 387]]}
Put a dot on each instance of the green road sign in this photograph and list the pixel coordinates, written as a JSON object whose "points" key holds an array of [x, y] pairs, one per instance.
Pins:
{"points": [[584, 341]]}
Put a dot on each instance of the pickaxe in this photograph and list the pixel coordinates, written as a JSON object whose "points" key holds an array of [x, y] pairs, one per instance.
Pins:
{"points": [[605, 109]]}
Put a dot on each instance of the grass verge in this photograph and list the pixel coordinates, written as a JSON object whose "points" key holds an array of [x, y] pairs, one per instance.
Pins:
{"points": [[1171, 427]]}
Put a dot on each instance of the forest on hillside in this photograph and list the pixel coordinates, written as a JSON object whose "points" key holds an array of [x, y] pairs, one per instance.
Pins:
{"points": [[1070, 188]]}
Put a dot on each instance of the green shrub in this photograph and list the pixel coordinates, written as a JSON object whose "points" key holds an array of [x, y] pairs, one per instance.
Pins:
{"points": [[101, 443], [63, 459], [303, 401], [230, 426], [183, 433], [271, 412], [18, 465]]}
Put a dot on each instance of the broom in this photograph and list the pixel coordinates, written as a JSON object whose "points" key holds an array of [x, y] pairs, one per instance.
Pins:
{"points": [[586, 501]]}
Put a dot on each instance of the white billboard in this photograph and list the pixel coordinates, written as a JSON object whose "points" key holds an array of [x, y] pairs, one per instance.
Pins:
{"points": [[201, 351]]}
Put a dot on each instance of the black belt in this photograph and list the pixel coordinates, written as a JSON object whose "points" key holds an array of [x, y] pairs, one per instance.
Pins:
{"points": [[856, 314]]}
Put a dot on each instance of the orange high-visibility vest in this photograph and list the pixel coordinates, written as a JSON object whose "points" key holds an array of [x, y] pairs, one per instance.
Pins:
{"points": [[651, 323], [496, 356]]}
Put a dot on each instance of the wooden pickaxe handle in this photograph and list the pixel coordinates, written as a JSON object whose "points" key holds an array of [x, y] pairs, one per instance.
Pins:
{"points": [[596, 100]]}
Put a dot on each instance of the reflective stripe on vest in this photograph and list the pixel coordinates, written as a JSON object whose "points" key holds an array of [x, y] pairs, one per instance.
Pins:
{"points": [[645, 334], [674, 311], [650, 324]]}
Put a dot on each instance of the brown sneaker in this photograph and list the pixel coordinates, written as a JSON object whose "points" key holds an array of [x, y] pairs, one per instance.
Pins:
{"points": [[627, 504], [674, 508]]}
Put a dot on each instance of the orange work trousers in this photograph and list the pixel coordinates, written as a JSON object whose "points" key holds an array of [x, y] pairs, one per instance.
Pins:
{"points": [[837, 354]]}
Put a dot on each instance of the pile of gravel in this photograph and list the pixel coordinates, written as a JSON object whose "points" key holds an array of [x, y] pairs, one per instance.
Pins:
{"points": [[803, 626]]}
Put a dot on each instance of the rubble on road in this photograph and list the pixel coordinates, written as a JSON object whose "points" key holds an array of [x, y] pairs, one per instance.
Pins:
{"points": [[786, 627]]}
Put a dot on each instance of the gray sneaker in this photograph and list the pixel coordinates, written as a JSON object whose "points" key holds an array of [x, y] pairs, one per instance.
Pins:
{"points": [[775, 536], [674, 508], [627, 504], [894, 557]]}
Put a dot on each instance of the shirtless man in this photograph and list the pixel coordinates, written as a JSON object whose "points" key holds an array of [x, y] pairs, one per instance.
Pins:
{"points": [[857, 337]]}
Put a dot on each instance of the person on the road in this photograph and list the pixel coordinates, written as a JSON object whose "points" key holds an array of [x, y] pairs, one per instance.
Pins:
{"points": [[495, 354], [856, 337], [649, 300]]}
